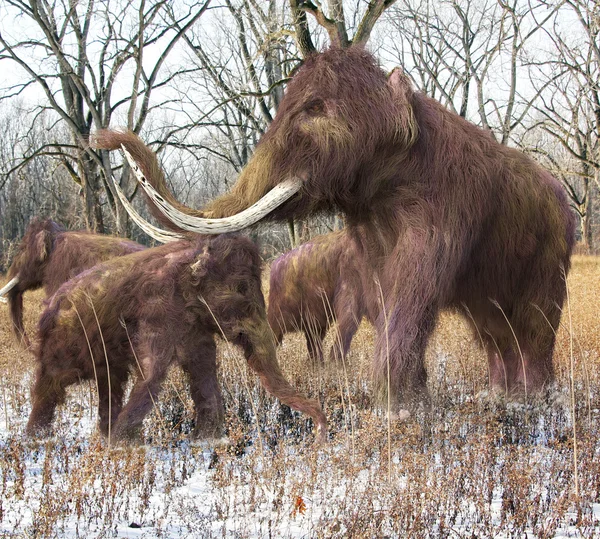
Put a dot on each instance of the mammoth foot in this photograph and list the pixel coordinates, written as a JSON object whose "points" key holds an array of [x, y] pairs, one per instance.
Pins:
{"points": [[399, 415], [550, 396], [204, 431], [37, 430], [126, 435]]}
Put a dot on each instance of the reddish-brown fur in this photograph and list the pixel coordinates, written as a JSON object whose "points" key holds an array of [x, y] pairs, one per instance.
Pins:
{"points": [[48, 256], [447, 216], [314, 286], [147, 311]]}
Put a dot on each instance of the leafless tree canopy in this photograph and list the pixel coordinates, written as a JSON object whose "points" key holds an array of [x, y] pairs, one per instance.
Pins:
{"points": [[201, 81]]}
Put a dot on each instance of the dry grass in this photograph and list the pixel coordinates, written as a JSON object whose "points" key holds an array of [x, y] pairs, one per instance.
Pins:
{"points": [[473, 468]]}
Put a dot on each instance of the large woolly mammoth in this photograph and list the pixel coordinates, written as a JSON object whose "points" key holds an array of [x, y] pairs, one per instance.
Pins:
{"points": [[314, 286], [147, 311], [445, 215], [48, 256]]}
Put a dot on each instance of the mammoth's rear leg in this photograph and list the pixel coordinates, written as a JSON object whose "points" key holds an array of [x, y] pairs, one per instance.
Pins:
{"points": [[199, 361], [348, 315], [520, 353], [255, 339], [156, 353]]}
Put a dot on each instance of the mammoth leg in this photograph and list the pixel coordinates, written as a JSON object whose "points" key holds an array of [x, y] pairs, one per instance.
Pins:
{"points": [[343, 336], [156, 354], [529, 366], [314, 342], [277, 334], [47, 393], [536, 322], [399, 358], [143, 396], [201, 367], [348, 317], [414, 283], [260, 353], [520, 352], [277, 324]]}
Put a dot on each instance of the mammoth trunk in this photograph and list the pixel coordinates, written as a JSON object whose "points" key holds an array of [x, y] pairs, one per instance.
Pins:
{"points": [[254, 182], [15, 301], [259, 350]]}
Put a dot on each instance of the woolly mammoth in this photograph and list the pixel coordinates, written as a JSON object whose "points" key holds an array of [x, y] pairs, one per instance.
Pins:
{"points": [[314, 286], [147, 311], [445, 215], [48, 256]]}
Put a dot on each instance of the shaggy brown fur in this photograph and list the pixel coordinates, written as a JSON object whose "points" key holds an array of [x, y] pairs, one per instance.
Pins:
{"points": [[143, 313], [312, 287], [48, 256], [446, 216]]}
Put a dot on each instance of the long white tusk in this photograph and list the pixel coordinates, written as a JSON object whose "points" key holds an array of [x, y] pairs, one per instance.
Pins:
{"points": [[274, 198], [163, 236], [3, 299], [9, 286]]}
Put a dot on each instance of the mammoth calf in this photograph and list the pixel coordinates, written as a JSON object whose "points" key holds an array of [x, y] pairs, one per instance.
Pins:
{"points": [[147, 311], [315, 285], [48, 256]]}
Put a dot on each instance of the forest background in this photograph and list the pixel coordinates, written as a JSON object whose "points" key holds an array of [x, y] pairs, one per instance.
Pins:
{"points": [[200, 81]]}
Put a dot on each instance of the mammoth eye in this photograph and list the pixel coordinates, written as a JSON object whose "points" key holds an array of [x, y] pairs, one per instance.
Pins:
{"points": [[315, 107]]}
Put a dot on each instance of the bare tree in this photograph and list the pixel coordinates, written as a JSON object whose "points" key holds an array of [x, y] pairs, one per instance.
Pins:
{"points": [[92, 60], [471, 55], [568, 81], [21, 198]]}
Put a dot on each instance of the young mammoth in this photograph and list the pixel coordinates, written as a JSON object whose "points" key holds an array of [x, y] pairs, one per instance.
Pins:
{"points": [[314, 286], [48, 256], [147, 311]]}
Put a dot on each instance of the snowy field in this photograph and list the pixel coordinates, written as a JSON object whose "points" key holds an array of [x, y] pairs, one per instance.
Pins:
{"points": [[474, 467]]}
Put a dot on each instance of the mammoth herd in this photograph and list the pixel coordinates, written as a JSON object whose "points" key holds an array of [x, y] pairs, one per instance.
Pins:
{"points": [[438, 215]]}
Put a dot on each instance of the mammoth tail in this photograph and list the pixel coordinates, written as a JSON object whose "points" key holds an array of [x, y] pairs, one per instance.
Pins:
{"points": [[108, 139], [15, 303]]}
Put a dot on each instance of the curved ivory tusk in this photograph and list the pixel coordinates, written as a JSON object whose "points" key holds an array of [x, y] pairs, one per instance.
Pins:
{"points": [[274, 198], [158, 234], [9, 286], [3, 299]]}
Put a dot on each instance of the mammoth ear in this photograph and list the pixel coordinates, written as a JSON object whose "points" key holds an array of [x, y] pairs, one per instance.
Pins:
{"points": [[43, 245], [400, 85]]}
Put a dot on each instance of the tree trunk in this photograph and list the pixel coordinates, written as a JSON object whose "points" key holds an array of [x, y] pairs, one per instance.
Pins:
{"points": [[91, 186], [586, 233], [586, 221]]}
